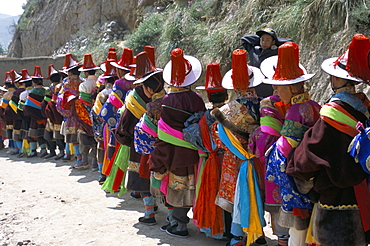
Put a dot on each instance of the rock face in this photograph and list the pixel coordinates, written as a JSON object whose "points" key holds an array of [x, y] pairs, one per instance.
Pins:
{"points": [[43, 31]]}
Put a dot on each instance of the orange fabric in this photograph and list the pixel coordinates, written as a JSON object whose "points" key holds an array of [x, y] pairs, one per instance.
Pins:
{"points": [[34, 101], [338, 107], [83, 114], [340, 126], [110, 162], [282, 107], [144, 171], [206, 212]]}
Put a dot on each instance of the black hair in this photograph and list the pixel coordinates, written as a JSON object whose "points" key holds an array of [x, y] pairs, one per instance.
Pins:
{"points": [[28, 83], [217, 97], [91, 72], [75, 71], [37, 81], [55, 78], [10, 85], [155, 82], [110, 80]]}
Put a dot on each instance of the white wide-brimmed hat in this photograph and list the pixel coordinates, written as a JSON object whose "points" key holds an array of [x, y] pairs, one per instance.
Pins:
{"points": [[285, 68], [354, 64], [186, 71]]}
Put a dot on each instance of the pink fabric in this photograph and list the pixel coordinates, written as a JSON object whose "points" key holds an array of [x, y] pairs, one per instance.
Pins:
{"points": [[115, 101], [169, 130], [269, 130], [164, 184], [283, 146], [148, 130]]}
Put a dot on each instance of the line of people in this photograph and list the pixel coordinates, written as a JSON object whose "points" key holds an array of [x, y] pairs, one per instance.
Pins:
{"points": [[268, 149]]}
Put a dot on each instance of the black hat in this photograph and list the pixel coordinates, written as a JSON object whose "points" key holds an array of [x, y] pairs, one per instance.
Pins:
{"points": [[267, 30]]}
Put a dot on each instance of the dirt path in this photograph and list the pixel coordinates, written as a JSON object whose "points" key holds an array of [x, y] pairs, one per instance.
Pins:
{"points": [[48, 203]]}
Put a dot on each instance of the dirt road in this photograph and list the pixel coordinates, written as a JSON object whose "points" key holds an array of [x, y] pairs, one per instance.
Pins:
{"points": [[48, 203]]}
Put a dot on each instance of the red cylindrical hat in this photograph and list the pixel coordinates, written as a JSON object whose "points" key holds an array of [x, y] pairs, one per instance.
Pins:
{"points": [[51, 71], [25, 76], [112, 55], [213, 78], [180, 67], [126, 58], [151, 54], [37, 73], [287, 67], [110, 70], [69, 62], [358, 63], [240, 76], [8, 79], [88, 63]]}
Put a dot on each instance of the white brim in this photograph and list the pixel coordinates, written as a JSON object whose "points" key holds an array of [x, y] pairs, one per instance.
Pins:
{"points": [[302, 78], [103, 67], [115, 64], [227, 81], [190, 78], [268, 66], [329, 67], [147, 77], [88, 69], [3, 89], [129, 77]]}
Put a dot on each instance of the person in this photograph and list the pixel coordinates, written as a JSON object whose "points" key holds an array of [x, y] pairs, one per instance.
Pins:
{"points": [[32, 109], [289, 79], [151, 79], [206, 214], [54, 118], [321, 164], [66, 105], [25, 119], [9, 82], [272, 114], [109, 111], [172, 155], [235, 122], [11, 112], [83, 107], [260, 46]]}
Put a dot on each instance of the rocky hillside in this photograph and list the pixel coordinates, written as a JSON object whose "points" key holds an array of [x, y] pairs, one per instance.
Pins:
{"points": [[47, 25], [207, 29]]}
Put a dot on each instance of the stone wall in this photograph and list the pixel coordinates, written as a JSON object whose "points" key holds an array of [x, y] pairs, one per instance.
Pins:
{"points": [[6, 64]]}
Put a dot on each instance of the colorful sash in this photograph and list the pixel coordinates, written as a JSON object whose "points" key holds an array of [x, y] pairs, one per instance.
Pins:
{"points": [[248, 205], [4, 103], [85, 98], [339, 118], [149, 126], [115, 100], [270, 125], [20, 105], [32, 102], [97, 106], [135, 104], [13, 106], [172, 136]]}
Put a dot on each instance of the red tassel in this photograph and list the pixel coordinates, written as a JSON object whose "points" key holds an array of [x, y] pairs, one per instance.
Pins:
{"points": [[240, 74], [358, 57], [287, 67], [180, 67]]}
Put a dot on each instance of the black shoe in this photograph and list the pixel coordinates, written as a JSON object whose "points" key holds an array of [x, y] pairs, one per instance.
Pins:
{"points": [[59, 156], [43, 154], [261, 241], [33, 154], [50, 155], [67, 158], [148, 221], [20, 155], [134, 195], [102, 179], [172, 230], [164, 228]]}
